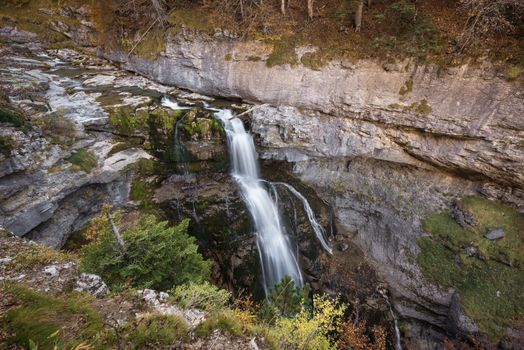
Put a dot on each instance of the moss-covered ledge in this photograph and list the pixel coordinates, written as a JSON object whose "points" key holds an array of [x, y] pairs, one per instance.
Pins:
{"points": [[488, 275]]}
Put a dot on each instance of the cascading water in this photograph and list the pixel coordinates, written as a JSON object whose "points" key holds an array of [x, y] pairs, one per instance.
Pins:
{"points": [[319, 230], [276, 256], [398, 344]]}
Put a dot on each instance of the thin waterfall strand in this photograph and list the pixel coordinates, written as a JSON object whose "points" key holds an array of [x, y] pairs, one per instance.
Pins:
{"points": [[319, 230], [276, 255]]}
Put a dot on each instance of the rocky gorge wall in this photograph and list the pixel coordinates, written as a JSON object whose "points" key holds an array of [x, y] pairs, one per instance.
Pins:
{"points": [[385, 144]]}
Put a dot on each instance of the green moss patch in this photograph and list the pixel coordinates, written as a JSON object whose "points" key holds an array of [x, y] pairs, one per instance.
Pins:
{"points": [[406, 88], [48, 322], [152, 44], [283, 53], [513, 73], [488, 275], [489, 215], [83, 160]]}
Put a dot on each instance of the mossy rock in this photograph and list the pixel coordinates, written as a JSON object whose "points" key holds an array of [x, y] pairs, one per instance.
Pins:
{"points": [[487, 274]]}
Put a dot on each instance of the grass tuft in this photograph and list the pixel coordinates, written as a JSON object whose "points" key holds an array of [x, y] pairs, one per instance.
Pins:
{"points": [[49, 322], [83, 160]]}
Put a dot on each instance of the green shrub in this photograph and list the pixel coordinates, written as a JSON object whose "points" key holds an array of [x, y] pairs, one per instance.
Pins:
{"points": [[83, 160], [10, 117], [284, 300], [156, 256], [49, 322], [201, 295]]}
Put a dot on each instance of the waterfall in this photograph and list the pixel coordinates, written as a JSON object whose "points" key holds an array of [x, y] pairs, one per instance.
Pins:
{"points": [[276, 255], [398, 345], [319, 230]]}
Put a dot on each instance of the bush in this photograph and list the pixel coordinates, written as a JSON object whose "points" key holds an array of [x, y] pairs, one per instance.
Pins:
{"points": [[314, 332], [156, 256], [354, 337], [201, 295], [83, 160], [11, 117]]}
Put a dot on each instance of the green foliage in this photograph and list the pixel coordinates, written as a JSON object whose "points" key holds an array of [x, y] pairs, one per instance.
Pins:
{"points": [[83, 160], [411, 31], [284, 300], [489, 215], [486, 282], [192, 18], [154, 331], [7, 145], [201, 295], [49, 322], [119, 147], [152, 45], [156, 256], [421, 107], [142, 188], [10, 117], [406, 88]]}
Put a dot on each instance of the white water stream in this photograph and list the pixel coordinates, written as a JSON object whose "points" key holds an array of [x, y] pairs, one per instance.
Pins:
{"points": [[276, 256]]}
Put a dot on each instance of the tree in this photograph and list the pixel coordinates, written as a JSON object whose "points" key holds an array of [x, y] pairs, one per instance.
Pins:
{"points": [[490, 17], [156, 256], [358, 15], [284, 300], [310, 9]]}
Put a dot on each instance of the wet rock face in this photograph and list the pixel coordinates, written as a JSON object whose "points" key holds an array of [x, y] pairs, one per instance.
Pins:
{"points": [[220, 222]]}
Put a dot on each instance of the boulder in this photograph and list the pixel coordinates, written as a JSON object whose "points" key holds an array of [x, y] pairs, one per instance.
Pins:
{"points": [[91, 284], [495, 234]]}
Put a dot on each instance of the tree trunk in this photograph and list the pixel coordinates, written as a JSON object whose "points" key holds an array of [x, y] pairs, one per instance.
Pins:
{"points": [[310, 9], [283, 7], [119, 239], [369, 3], [358, 16]]}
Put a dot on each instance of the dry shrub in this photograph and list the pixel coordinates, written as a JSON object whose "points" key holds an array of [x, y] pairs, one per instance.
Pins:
{"points": [[354, 337]]}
